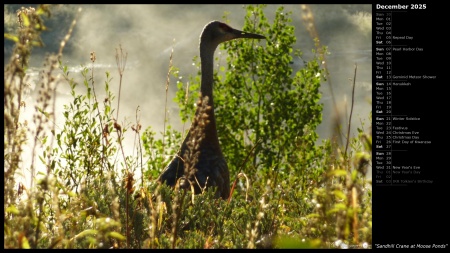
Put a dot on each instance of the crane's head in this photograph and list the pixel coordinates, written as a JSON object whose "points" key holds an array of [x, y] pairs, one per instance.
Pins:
{"points": [[216, 32]]}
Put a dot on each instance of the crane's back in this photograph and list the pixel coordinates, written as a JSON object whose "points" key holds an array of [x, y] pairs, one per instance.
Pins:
{"points": [[202, 167]]}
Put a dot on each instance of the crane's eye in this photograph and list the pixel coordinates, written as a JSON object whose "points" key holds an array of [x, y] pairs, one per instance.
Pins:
{"points": [[225, 27]]}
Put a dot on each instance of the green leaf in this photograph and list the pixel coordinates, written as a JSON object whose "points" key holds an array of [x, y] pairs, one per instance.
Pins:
{"points": [[11, 37], [338, 173], [25, 19], [25, 243], [12, 209], [84, 233], [289, 242], [340, 195], [117, 236]]}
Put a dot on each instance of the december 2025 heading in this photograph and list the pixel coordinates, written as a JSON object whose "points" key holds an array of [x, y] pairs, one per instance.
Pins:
{"points": [[401, 6]]}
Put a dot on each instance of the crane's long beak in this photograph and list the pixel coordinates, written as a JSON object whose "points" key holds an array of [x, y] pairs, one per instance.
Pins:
{"points": [[241, 34]]}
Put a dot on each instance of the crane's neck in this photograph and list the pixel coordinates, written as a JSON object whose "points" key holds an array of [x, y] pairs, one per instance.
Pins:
{"points": [[207, 80], [207, 68]]}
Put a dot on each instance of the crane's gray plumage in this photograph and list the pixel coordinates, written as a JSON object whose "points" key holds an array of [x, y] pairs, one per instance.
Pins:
{"points": [[210, 166]]}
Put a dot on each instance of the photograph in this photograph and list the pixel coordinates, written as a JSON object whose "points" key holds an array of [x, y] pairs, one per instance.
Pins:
{"points": [[192, 126]]}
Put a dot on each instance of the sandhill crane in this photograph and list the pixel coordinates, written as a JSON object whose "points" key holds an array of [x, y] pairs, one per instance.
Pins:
{"points": [[210, 167]]}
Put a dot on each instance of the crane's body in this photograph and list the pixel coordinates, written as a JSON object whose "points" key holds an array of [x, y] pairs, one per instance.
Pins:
{"points": [[211, 169]]}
